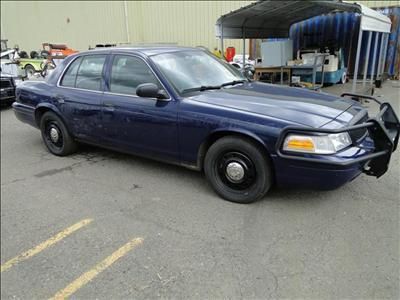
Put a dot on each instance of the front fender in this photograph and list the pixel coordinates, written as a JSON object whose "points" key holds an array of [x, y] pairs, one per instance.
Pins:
{"points": [[240, 131]]}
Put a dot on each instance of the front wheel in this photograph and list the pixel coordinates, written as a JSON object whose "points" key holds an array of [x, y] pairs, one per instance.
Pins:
{"points": [[29, 71], [238, 170], [56, 136]]}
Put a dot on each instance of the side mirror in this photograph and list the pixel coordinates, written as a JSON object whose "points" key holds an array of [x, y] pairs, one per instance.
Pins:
{"points": [[150, 90]]}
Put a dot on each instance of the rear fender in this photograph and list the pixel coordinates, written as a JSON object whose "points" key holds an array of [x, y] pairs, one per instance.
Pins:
{"points": [[43, 107]]}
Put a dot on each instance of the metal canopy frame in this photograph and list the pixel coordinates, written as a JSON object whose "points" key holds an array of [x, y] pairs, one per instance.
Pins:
{"points": [[272, 19]]}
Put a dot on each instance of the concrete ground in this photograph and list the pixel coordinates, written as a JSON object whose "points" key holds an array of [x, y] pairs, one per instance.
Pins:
{"points": [[292, 244]]}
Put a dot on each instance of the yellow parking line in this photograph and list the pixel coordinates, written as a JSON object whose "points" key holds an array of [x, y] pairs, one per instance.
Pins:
{"points": [[51, 241], [96, 270]]}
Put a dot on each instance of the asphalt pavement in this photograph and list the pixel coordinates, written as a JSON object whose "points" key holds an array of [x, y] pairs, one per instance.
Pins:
{"points": [[105, 225]]}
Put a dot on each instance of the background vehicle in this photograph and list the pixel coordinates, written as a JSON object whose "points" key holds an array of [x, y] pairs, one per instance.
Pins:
{"points": [[13, 58], [31, 65], [42, 61], [56, 50], [7, 89], [11, 73], [185, 106], [335, 70]]}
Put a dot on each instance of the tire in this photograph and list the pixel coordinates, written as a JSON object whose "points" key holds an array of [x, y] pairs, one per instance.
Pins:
{"points": [[29, 71], [238, 170], [343, 78], [34, 54], [56, 136], [23, 54]]}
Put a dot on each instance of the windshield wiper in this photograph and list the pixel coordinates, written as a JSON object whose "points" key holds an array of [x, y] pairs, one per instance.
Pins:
{"points": [[233, 82], [202, 88], [212, 87]]}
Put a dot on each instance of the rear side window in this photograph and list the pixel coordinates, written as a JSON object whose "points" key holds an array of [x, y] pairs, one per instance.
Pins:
{"points": [[70, 76], [85, 73], [128, 72]]}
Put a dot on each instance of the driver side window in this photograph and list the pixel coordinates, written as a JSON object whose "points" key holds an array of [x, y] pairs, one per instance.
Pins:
{"points": [[128, 72]]}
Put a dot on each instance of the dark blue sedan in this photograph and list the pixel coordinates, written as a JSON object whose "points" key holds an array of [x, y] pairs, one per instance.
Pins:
{"points": [[187, 107]]}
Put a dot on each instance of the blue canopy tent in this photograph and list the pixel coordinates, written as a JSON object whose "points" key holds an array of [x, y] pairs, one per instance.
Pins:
{"points": [[272, 19]]}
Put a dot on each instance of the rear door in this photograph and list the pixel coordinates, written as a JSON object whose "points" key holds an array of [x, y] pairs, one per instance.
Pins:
{"points": [[135, 124], [79, 95]]}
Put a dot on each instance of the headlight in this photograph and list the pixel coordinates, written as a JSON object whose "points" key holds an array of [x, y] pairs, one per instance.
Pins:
{"points": [[319, 144]]}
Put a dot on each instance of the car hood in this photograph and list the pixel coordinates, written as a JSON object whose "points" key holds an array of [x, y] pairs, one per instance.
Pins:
{"points": [[296, 105]]}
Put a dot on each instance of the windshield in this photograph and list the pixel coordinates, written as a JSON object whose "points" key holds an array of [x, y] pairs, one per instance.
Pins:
{"points": [[196, 70]]}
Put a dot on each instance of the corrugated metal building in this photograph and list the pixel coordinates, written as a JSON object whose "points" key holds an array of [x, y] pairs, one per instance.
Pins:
{"points": [[84, 23]]}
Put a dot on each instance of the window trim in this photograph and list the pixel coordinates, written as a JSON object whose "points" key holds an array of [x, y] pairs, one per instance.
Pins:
{"points": [[130, 95], [79, 89]]}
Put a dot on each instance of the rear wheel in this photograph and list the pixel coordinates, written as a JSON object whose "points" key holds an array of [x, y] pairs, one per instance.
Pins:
{"points": [[238, 170], [56, 136]]}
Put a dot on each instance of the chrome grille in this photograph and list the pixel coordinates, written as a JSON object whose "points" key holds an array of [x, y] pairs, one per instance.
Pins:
{"points": [[5, 83]]}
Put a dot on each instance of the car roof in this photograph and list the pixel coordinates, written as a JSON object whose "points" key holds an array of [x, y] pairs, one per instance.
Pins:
{"points": [[146, 50]]}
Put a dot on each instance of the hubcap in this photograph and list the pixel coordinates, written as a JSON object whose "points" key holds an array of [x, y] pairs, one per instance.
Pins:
{"points": [[54, 135], [235, 171]]}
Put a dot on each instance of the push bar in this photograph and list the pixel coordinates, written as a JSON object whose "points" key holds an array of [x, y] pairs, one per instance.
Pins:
{"points": [[383, 129]]}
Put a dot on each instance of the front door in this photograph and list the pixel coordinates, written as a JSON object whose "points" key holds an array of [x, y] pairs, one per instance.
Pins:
{"points": [[145, 126]]}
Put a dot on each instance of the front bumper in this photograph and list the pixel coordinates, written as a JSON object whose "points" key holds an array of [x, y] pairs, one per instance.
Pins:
{"points": [[370, 156]]}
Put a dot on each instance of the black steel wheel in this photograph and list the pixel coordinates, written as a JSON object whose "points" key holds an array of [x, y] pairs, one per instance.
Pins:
{"points": [[55, 135], [238, 170]]}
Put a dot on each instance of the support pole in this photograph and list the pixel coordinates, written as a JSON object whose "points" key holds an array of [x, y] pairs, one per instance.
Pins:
{"points": [[222, 39], [385, 53], [2, 34], [244, 49], [128, 39], [374, 56], [378, 72], [360, 33], [367, 59]]}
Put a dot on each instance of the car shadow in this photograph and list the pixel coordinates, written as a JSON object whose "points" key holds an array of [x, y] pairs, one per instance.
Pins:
{"points": [[277, 194], [5, 106], [94, 154]]}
